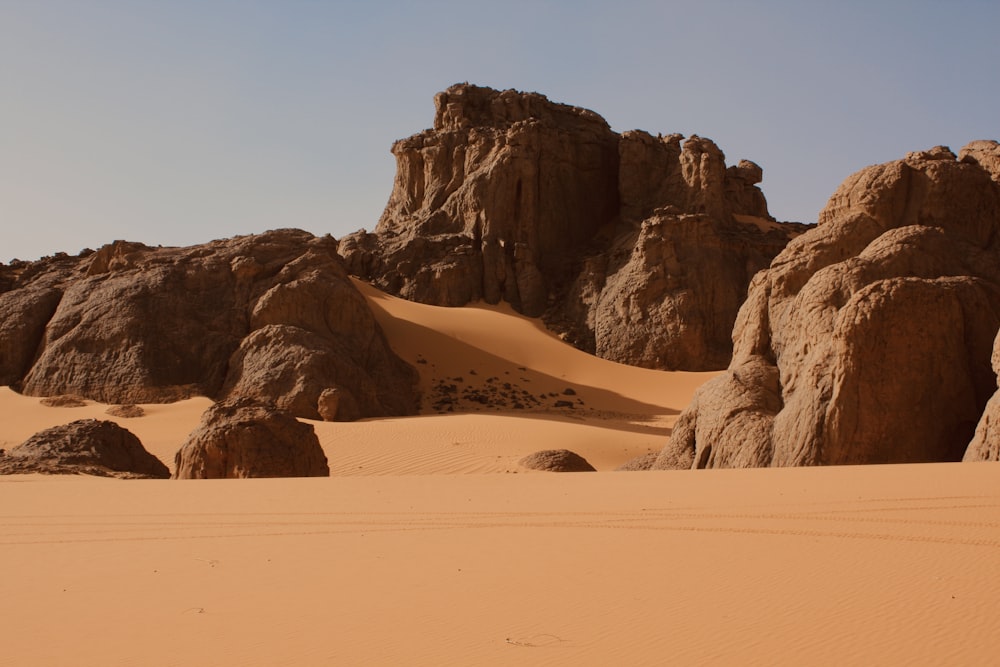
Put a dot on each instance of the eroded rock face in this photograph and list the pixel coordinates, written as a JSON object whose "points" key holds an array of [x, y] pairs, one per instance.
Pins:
{"points": [[272, 316], [985, 445], [243, 438], [513, 197], [986, 154], [556, 460], [868, 340], [674, 301], [84, 447]]}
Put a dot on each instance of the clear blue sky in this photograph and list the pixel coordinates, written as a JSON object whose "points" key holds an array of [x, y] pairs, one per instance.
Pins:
{"points": [[178, 121]]}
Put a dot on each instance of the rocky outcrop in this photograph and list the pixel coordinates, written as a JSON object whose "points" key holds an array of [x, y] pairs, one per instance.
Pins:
{"points": [[272, 316], [985, 445], [513, 197], [869, 338], [673, 302], [84, 447], [986, 154], [556, 460], [243, 438]]}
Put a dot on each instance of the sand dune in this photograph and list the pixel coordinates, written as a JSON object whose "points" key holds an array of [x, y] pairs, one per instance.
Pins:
{"points": [[618, 412]]}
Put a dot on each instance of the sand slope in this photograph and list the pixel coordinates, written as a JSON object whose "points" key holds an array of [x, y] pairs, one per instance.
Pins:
{"points": [[619, 412]]}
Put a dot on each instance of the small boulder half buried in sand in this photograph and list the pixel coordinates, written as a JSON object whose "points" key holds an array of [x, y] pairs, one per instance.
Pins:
{"points": [[64, 401], [639, 463], [556, 460], [128, 411]]}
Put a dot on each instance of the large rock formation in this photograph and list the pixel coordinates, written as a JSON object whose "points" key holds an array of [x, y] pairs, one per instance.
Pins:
{"points": [[83, 447], [244, 438], [272, 316], [869, 338], [512, 197]]}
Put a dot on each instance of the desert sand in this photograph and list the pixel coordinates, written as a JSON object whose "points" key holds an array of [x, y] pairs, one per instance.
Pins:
{"points": [[426, 548]]}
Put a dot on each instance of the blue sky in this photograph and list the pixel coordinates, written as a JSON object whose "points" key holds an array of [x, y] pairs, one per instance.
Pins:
{"points": [[176, 122]]}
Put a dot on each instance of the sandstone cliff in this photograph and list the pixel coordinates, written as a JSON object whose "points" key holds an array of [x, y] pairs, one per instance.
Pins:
{"points": [[636, 247], [272, 316], [869, 338]]}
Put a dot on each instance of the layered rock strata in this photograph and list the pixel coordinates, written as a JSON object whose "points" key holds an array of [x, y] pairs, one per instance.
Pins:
{"points": [[273, 317], [869, 338], [512, 197]]}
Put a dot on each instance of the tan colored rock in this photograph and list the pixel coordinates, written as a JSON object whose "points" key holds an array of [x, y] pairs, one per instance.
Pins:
{"points": [[23, 316], [868, 339], [674, 302], [64, 401], [512, 197], [487, 204], [986, 154], [83, 447], [129, 411], [639, 463], [133, 324], [556, 460], [243, 438], [985, 445]]}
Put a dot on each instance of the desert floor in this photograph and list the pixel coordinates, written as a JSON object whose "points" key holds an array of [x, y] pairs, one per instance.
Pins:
{"points": [[430, 546]]}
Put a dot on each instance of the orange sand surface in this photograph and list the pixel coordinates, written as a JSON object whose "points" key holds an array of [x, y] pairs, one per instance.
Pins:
{"points": [[619, 412], [399, 560], [876, 565]]}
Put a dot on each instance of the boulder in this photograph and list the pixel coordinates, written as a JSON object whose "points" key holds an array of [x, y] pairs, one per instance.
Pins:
{"points": [[129, 411], [556, 460], [134, 324], [639, 463], [868, 340], [84, 447], [512, 197], [243, 438]]}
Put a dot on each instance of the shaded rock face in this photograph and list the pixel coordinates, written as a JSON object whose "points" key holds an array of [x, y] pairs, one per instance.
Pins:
{"points": [[84, 447], [869, 338], [556, 460], [272, 316], [513, 197], [985, 445], [243, 438], [673, 302]]}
